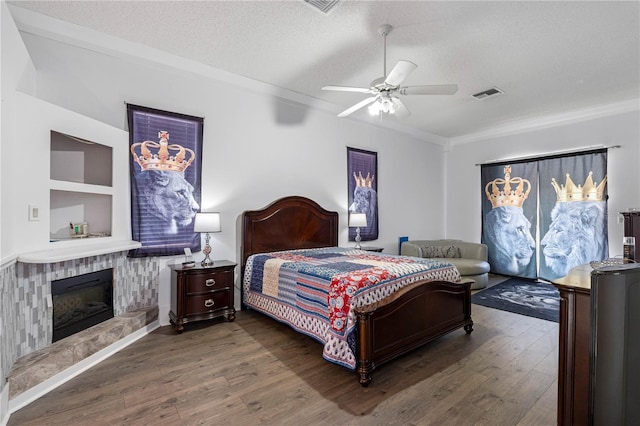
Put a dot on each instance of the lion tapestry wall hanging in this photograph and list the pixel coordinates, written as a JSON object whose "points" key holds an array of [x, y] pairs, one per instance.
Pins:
{"points": [[166, 157], [362, 184], [509, 218], [543, 216]]}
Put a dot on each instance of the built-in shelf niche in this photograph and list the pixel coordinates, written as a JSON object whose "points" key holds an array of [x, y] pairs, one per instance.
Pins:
{"points": [[78, 160], [81, 178], [79, 207]]}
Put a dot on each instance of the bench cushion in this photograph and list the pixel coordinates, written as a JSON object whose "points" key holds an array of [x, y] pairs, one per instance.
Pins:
{"points": [[470, 266]]}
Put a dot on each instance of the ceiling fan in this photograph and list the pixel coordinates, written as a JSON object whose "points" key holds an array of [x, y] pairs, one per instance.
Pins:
{"points": [[385, 90]]}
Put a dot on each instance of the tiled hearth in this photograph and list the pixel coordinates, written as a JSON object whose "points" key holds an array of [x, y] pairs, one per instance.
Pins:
{"points": [[27, 356], [36, 367]]}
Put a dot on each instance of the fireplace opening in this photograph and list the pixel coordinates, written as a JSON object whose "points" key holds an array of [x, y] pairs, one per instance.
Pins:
{"points": [[81, 302]]}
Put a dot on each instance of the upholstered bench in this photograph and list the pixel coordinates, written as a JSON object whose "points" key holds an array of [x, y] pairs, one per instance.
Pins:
{"points": [[471, 259]]}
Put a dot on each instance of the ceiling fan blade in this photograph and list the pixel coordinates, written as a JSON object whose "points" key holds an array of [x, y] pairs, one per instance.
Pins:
{"points": [[357, 106], [399, 73], [399, 110], [434, 89], [348, 89]]}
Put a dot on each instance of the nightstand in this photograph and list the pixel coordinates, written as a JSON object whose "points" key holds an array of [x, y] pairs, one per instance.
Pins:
{"points": [[369, 248], [366, 248], [199, 293]]}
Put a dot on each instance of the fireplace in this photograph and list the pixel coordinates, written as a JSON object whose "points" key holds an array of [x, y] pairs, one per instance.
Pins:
{"points": [[81, 302]]}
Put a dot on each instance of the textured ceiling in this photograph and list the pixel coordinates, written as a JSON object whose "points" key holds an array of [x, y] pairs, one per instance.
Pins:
{"points": [[548, 57]]}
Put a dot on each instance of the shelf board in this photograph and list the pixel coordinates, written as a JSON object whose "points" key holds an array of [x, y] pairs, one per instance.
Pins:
{"points": [[61, 185]]}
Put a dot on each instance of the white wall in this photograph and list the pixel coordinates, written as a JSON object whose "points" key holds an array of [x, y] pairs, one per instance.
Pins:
{"points": [[257, 147], [35, 119], [623, 175], [18, 73]]}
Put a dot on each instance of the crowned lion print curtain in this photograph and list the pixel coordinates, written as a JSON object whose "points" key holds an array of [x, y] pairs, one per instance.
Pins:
{"points": [[542, 217], [165, 168], [509, 217], [573, 213], [362, 184]]}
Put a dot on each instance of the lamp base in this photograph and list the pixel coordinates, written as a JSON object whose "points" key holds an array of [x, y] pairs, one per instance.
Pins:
{"points": [[358, 239], [206, 262]]}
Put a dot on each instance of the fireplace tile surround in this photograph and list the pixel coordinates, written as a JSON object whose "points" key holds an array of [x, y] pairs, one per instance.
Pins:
{"points": [[26, 313]]}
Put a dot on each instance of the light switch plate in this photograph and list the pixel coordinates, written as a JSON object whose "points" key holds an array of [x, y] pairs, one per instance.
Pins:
{"points": [[34, 213]]}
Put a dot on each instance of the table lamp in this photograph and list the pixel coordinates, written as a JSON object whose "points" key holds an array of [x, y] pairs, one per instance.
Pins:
{"points": [[207, 222], [357, 220]]}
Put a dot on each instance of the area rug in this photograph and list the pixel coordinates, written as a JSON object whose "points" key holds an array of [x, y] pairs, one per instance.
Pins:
{"points": [[520, 296]]}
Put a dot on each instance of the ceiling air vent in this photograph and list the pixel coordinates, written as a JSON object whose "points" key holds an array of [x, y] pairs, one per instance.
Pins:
{"points": [[324, 6], [494, 91]]}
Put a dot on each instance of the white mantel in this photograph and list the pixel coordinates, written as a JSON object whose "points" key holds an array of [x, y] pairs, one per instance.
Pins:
{"points": [[85, 250]]}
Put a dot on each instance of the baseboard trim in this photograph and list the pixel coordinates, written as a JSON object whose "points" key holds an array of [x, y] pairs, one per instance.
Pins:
{"points": [[4, 406]]}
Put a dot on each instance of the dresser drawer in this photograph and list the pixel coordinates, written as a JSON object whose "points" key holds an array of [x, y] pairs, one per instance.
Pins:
{"points": [[204, 303], [201, 283]]}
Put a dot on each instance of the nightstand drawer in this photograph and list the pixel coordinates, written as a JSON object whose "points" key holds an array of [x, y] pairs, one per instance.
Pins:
{"points": [[201, 283], [204, 303]]}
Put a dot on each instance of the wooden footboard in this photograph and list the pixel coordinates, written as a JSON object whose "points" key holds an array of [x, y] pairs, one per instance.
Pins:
{"points": [[408, 319]]}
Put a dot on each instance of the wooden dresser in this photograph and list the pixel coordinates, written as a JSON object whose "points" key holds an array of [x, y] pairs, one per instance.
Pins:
{"points": [[199, 293], [574, 347]]}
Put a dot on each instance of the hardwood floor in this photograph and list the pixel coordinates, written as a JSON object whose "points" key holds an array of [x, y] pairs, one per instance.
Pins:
{"points": [[257, 371]]}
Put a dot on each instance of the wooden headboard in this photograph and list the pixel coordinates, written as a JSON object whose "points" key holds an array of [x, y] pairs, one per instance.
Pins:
{"points": [[286, 224]]}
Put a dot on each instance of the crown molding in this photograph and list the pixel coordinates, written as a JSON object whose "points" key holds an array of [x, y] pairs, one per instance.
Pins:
{"points": [[55, 29], [528, 125]]}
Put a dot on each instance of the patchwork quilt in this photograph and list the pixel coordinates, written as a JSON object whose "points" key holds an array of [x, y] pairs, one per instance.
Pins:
{"points": [[315, 291]]}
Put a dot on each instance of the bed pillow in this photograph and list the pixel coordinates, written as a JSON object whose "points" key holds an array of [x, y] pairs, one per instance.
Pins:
{"points": [[440, 251]]}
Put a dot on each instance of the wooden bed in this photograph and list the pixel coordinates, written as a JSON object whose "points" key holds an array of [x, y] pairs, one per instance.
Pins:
{"points": [[425, 310]]}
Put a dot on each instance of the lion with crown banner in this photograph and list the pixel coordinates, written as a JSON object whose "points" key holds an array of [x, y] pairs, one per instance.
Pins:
{"points": [[577, 234], [365, 198], [506, 230], [162, 187]]}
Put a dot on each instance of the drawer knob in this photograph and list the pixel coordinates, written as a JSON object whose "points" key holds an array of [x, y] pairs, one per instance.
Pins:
{"points": [[208, 303], [210, 282]]}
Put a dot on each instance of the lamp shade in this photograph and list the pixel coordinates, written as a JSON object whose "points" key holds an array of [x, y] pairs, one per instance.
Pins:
{"points": [[207, 222], [357, 220]]}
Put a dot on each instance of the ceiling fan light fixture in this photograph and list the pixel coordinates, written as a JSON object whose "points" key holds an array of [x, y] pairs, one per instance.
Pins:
{"points": [[383, 104], [387, 106], [374, 109], [389, 85]]}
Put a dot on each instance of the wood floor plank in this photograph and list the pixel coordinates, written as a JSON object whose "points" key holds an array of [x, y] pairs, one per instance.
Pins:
{"points": [[520, 399], [154, 412], [89, 414], [230, 411], [544, 412]]}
